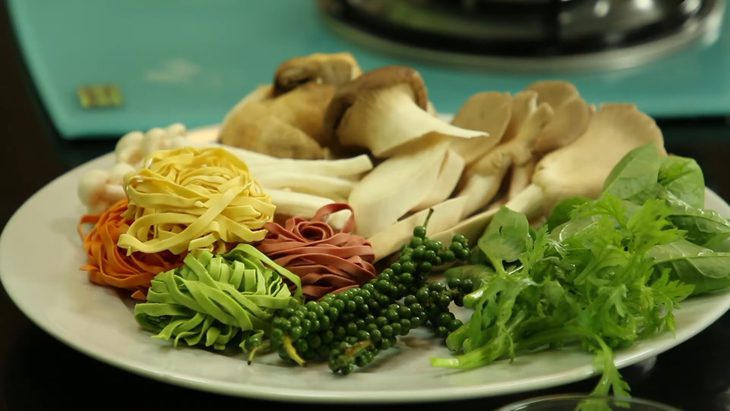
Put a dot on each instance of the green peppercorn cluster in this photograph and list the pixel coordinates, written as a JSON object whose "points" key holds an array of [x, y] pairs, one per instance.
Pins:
{"points": [[349, 328]]}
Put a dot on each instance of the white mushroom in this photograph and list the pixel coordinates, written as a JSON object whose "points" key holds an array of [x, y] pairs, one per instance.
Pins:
{"points": [[384, 109], [134, 146], [100, 189]]}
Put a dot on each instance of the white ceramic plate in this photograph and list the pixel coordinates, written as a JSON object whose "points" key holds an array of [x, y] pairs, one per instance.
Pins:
{"points": [[40, 256]]}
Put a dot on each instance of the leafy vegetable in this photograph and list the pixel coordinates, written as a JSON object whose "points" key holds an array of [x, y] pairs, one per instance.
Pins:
{"points": [[596, 286], [635, 174], [601, 274], [683, 178], [701, 225], [705, 268], [505, 238]]}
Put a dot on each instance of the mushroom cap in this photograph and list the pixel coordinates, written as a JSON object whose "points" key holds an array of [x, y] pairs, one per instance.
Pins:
{"points": [[572, 114], [369, 82], [487, 111], [335, 69], [254, 126], [553, 92], [580, 168], [289, 125], [304, 108]]}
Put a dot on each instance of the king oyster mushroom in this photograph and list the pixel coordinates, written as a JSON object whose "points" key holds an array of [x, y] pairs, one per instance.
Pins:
{"points": [[384, 109], [578, 169], [285, 119], [397, 185]]}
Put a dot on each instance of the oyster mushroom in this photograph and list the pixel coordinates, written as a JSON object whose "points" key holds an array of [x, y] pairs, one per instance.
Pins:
{"points": [[384, 109], [484, 177], [489, 112], [578, 169], [570, 120]]}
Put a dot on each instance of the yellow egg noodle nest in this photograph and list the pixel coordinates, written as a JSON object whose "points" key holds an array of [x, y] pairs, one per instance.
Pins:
{"points": [[191, 198]]}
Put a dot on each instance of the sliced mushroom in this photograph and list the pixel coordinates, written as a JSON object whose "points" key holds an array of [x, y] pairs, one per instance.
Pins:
{"points": [[444, 215], [334, 69], [447, 180], [384, 109], [396, 186]]}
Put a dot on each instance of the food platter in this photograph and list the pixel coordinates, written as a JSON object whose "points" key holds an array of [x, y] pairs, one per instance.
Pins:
{"points": [[40, 259]]}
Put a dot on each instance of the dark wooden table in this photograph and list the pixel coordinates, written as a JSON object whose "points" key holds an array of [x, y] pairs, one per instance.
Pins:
{"points": [[38, 372]]}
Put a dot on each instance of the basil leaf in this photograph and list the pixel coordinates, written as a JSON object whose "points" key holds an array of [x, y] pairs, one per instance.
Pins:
{"points": [[704, 268], [635, 175], [561, 212], [700, 225], [719, 242], [682, 177]]}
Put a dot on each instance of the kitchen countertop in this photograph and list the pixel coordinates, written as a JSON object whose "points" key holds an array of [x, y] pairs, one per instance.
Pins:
{"points": [[37, 372]]}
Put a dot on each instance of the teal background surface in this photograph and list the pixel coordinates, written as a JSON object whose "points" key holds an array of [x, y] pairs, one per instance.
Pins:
{"points": [[191, 60]]}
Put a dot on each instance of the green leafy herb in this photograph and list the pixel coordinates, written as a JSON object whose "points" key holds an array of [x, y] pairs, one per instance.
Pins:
{"points": [[705, 268], [505, 238], [601, 274]]}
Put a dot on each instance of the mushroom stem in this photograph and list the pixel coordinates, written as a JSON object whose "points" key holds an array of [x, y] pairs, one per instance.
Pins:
{"points": [[471, 228], [479, 191], [530, 201], [392, 113]]}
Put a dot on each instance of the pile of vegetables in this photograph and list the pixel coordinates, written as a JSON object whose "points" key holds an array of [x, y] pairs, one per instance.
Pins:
{"points": [[334, 255]]}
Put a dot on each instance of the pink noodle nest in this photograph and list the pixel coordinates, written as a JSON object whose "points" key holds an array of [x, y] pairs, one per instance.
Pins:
{"points": [[327, 260]]}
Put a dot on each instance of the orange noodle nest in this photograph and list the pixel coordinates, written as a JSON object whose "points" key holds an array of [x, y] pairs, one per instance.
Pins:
{"points": [[108, 264]]}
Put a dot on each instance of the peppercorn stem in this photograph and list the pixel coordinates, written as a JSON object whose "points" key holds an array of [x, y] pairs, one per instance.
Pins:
{"points": [[291, 351]]}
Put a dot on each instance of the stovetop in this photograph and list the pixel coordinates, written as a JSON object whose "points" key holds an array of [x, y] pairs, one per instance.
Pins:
{"points": [[190, 61], [562, 35]]}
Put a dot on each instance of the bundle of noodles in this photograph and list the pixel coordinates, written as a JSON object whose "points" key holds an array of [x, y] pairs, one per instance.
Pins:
{"points": [[109, 265], [190, 198], [326, 260]]}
